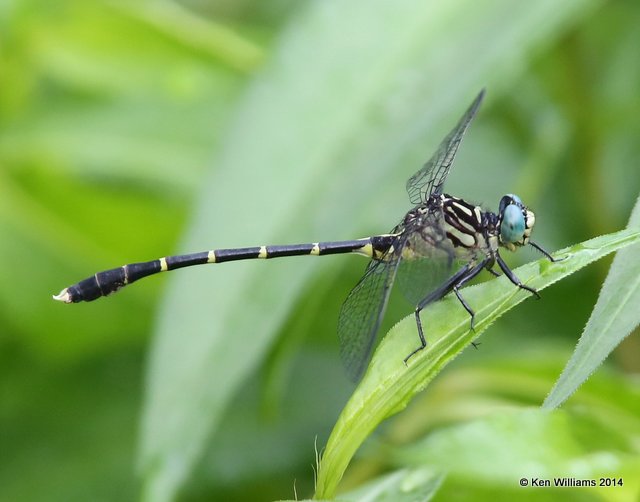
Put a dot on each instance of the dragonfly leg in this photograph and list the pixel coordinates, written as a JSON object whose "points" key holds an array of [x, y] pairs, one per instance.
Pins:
{"points": [[546, 253], [423, 341], [466, 278], [432, 297], [512, 277], [493, 272], [458, 279]]}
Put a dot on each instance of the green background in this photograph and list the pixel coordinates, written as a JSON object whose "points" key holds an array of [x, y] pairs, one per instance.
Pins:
{"points": [[132, 131]]}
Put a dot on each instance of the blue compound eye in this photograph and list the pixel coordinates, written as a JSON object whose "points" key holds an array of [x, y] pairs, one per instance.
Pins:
{"points": [[507, 200], [516, 199], [512, 225]]}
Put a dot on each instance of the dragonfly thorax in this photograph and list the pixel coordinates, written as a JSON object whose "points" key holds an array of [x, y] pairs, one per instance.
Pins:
{"points": [[466, 225], [515, 222]]}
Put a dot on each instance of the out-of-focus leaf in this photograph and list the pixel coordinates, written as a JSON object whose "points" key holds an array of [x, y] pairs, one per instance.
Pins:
{"points": [[494, 453], [107, 122], [405, 485], [388, 385], [216, 40], [615, 315]]}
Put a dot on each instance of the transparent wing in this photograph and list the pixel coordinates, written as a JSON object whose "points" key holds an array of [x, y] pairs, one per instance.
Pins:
{"points": [[362, 313], [418, 277], [428, 258], [431, 177]]}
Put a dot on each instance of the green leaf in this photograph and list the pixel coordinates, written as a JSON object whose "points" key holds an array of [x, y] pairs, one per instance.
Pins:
{"points": [[404, 485], [388, 386], [471, 426], [493, 453], [615, 315]]}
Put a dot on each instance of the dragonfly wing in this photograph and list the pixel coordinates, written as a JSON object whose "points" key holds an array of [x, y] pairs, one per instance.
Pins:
{"points": [[362, 313], [428, 258], [433, 174], [420, 276]]}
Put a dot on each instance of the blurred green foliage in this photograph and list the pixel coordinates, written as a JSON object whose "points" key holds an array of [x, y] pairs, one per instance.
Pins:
{"points": [[129, 132]]}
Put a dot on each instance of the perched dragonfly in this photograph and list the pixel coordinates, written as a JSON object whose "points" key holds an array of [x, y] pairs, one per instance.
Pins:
{"points": [[440, 245]]}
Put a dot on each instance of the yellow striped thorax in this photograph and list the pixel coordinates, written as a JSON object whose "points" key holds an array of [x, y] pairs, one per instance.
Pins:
{"points": [[464, 223]]}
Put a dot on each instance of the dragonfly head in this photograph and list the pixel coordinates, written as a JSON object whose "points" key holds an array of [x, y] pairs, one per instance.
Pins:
{"points": [[515, 222]]}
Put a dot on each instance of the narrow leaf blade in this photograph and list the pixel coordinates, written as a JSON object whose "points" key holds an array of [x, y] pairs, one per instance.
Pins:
{"points": [[615, 315]]}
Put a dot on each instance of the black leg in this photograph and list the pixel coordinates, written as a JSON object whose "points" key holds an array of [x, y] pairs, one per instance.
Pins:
{"points": [[432, 297], [472, 273], [546, 253], [462, 276], [493, 272], [512, 277]]}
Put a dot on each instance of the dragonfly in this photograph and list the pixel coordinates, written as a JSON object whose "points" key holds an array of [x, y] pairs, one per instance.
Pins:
{"points": [[438, 247]]}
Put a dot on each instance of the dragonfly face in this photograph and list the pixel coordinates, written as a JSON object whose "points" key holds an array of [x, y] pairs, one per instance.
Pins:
{"points": [[515, 222]]}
